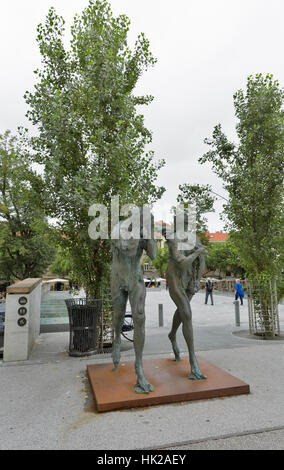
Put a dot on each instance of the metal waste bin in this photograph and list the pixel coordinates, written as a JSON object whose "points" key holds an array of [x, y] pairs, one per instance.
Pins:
{"points": [[83, 318], [2, 327]]}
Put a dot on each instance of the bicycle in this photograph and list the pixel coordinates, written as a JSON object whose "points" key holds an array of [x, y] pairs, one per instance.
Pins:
{"points": [[127, 329]]}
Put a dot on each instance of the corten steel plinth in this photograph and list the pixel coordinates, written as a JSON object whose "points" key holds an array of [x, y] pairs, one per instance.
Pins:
{"points": [[114, 390]]}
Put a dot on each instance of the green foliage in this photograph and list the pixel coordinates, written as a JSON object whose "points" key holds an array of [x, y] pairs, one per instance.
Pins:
{"points": [[24, 246], [62, 264], [91, 139], [223, 257], [280, 287], [199, 196], [161, 260], [252, 172]]}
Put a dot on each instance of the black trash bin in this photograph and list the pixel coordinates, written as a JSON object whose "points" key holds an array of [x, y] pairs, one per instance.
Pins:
{"points": [[2, 319], [83, 318]]}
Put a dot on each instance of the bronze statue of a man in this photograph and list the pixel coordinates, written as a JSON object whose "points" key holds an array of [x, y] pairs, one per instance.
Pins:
{"points": [[183, 274], [127, 283]]}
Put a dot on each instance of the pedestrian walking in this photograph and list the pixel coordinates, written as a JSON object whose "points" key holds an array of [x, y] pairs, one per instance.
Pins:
{"points": [[167, 285], [209, 291], [239, 293]]}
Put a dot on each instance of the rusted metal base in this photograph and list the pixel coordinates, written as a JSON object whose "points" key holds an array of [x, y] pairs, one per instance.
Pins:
{"points": [[114, 390]]}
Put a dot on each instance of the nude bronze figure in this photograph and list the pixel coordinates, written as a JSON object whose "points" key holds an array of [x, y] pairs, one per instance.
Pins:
{"points": [[183, 274], [127, 283]]}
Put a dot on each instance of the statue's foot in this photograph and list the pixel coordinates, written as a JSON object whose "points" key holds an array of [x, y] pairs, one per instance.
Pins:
{"points": [[115, 357], [175, 347], [196, 374], [143, 386]]}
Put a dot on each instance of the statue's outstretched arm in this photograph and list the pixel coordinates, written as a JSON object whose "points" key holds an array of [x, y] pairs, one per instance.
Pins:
{"points": [[192, 257], [176, 254], [151, 248], [201, 267]]}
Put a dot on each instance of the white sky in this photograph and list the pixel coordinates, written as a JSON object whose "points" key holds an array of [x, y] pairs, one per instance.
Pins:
{"points": [[205, 52]]}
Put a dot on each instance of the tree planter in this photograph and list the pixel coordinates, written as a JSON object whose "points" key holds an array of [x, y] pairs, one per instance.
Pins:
{"points": [[263, 307]]}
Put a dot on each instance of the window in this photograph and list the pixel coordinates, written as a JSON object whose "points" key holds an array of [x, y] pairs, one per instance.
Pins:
{"points": [[146, 266]]}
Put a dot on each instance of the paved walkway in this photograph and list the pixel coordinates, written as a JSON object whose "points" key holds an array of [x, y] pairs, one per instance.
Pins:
{"points": [[261, 440], [46, 402]]}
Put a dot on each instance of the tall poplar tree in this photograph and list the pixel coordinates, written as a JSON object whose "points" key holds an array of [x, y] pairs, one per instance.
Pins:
{"points": [[91, 139], [253, 172]]}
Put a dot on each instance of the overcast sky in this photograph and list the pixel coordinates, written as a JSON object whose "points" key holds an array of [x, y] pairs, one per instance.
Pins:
{"points": [[205, 51]]}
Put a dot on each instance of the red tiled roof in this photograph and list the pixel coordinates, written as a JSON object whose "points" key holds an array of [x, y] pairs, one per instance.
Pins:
{"points": [[217, 236]]}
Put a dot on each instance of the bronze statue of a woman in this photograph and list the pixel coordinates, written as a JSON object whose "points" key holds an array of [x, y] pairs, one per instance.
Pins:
{"points": [[183, 274]]}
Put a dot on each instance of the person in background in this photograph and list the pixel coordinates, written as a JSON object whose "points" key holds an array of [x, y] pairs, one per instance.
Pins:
{"points": [[239, 291], [209, 291]]}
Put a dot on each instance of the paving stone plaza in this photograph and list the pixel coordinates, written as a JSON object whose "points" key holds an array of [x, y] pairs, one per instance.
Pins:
{"points": [[55, 406]]}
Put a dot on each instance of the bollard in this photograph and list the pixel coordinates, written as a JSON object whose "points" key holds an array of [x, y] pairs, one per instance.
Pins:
{"points": [[237, 312], [161, 320]]}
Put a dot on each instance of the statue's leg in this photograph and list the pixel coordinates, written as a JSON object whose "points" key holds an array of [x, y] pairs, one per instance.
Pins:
{"points": [[183, 304], [172, 334], [119, 308], [137, 302]]}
